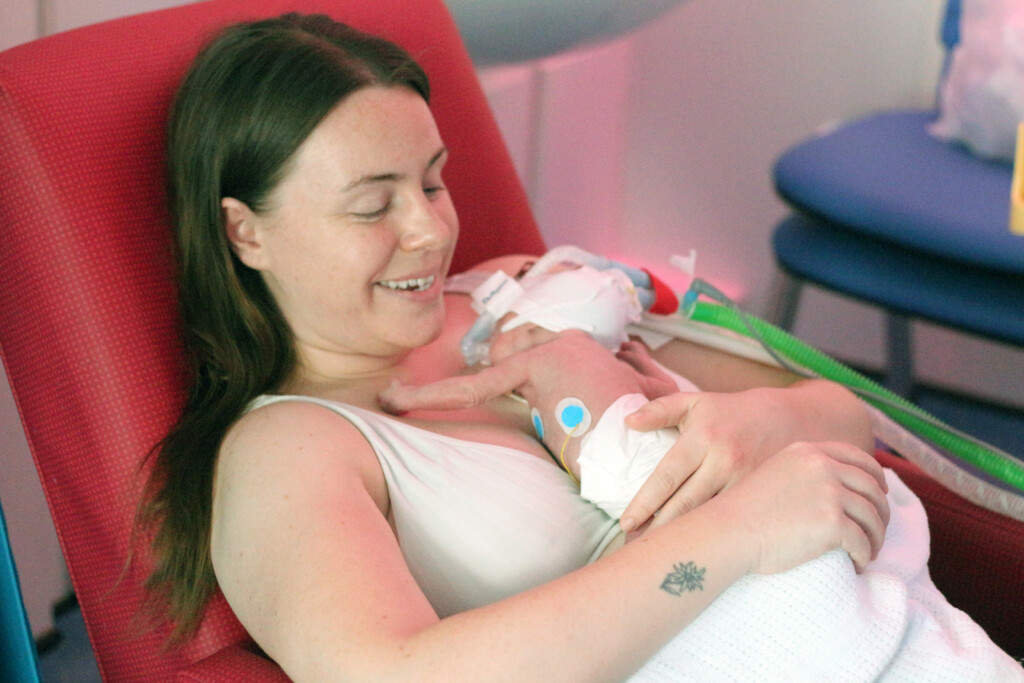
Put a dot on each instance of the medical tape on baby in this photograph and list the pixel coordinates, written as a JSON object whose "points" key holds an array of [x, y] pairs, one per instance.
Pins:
{"points": [[497, 294], [491, 299]]}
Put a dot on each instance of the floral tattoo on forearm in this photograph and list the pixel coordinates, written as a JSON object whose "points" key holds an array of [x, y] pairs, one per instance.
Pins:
{"points": [[683, 579]]}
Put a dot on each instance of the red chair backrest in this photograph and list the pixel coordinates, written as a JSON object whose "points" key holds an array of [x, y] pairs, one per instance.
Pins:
{"points": [[88, 326]]}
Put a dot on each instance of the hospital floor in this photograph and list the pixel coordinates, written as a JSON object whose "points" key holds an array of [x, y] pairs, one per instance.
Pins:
{"points": [[70, 659]]}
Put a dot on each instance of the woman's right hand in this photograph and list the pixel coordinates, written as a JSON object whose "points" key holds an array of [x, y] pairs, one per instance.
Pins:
{"points": [[808, 499]]}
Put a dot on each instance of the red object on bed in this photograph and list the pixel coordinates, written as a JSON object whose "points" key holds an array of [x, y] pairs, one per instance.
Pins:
{"points": [[88, 327]]}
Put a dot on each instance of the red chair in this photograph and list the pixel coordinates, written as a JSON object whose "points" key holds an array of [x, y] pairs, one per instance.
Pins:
{"points": [[88, 326], [88, 322]]}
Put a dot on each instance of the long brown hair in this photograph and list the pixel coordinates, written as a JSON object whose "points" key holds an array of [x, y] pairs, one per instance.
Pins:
{"points": [[250, 99]]}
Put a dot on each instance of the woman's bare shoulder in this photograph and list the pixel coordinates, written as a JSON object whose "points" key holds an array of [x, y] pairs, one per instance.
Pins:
{"points": [[301, 542], [295, 444], [288, 422]]}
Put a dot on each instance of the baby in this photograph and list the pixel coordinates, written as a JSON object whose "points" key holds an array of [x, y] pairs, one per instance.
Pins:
{"points": [[578, 391], [579, 394]]}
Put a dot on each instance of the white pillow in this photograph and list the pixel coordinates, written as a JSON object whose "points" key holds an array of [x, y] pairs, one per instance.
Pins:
{"points": [[981, 101]]}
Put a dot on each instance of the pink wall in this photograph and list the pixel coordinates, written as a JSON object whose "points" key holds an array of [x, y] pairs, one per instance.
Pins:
{"points": [[679, 155]]}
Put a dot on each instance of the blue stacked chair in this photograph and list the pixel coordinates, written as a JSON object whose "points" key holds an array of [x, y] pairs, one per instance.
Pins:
{"points": [[17, 648], [888, 214]]}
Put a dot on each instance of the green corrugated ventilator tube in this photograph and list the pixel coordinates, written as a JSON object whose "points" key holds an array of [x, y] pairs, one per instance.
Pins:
{"points": [[778, 342]]}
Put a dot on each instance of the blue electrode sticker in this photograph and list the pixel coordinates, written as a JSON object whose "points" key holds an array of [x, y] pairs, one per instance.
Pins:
{"points": [[538, 424], [572, 416]]}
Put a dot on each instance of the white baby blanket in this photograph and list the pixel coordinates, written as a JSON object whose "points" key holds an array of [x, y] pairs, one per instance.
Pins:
{"points": [[823, 622]]}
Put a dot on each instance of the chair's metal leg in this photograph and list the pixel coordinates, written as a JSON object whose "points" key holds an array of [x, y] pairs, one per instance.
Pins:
{"points": [[900, 373], [786, 300]]}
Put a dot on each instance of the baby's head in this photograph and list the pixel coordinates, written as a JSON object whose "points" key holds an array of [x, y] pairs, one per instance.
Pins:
{"points": [[599, 302]]}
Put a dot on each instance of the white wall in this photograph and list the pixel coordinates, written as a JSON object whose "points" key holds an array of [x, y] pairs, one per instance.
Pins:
{"points": [[728, 86], [20, 22]]}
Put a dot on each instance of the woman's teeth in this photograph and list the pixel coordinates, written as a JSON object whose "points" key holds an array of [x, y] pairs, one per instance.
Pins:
{"points": [[420, 284]]}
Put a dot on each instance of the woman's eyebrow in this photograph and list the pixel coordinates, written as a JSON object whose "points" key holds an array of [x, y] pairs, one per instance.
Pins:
{"points": [[390, 177], [437, 156], [373, 178]]}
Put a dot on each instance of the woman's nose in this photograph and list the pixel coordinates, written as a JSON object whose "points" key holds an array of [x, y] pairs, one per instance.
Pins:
{"points": [[428, 225]]}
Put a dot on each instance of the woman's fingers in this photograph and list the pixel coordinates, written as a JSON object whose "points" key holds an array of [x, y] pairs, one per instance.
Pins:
{"points": [[852, 485], [697, 467], [667, 411], [864, 487], [851, 455], [868, 507], [808, 499], [856, 544], [702, 486], [864, 538], [666, 483]]}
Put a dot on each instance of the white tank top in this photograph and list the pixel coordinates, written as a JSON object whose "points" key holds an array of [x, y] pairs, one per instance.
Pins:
{"points": [[476, 522]]}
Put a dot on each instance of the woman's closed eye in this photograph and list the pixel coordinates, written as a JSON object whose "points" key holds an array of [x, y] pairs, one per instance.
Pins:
{"points": [[433, 190], [373, 214], [373, 211]]}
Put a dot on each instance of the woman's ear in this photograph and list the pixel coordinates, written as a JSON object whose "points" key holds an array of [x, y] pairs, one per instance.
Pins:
{"points": [[241, 225]]}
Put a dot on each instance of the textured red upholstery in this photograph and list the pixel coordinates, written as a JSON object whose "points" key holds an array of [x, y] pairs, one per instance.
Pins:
{"points": [[232, 664], [88, 328]]}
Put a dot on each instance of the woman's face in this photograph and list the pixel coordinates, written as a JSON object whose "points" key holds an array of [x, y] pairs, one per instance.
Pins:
{"points": [[359, 234]]}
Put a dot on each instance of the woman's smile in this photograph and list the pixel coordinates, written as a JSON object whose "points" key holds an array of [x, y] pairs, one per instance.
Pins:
{"points": [[419, 284]]}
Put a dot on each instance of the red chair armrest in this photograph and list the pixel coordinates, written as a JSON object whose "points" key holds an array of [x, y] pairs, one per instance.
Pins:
{"points": [[233, 663]]}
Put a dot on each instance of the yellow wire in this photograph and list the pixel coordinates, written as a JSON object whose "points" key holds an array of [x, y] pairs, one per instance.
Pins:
{"points": [[561, 455]]}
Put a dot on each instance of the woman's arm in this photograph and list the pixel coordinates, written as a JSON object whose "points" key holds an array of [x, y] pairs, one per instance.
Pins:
{"points": [[309, 563], [724, 436], [715, 370]]}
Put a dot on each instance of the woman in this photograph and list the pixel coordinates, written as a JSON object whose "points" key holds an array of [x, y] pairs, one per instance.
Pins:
{"points": [[315, 233]]}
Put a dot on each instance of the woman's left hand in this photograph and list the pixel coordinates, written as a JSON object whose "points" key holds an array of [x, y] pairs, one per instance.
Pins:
{"points": [[724, 436]]}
